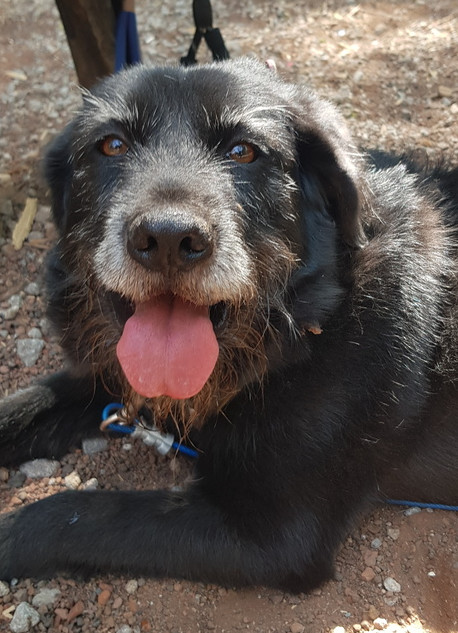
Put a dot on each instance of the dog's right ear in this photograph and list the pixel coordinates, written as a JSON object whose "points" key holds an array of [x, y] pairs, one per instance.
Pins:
{"points": [[58, 171]]}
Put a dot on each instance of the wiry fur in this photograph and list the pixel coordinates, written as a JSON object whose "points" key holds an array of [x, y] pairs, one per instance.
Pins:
{"points": [[332, 289]]}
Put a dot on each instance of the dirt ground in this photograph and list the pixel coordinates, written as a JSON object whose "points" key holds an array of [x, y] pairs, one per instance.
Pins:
{"points": [[392, 66]]}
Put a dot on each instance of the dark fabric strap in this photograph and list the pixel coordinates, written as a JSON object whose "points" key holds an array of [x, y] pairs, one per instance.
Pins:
{"points": [[203, 19]]}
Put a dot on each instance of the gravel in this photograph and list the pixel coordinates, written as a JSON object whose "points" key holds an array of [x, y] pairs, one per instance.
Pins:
{"points": [[393, 69]]}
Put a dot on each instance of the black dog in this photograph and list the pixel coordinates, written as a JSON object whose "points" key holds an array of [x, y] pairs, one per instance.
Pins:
{"points": [[229, 261]]}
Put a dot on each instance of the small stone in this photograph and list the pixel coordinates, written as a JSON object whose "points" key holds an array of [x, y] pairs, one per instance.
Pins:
{"points": [[117, 602], [33, 289], [372, 612], [29, 350], [297, 627], [393, 533], [338, 629], [15, 303], [24, 619], [4, 474], [125, 628], [368, 574], [75, 611], [444, 91], [94, 445], [376, 543], [380, 624], [4, 589], [39, 468], [410, 511], [131, 586], [103, 597], [90, 484], [46, 597], [391, 584], [34, 332], [72, 481]]}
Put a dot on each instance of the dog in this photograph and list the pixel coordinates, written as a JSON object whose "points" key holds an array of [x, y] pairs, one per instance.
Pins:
{"points": [[230, 263]]}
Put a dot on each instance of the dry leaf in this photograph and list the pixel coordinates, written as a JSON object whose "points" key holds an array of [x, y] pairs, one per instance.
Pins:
{"points": [[24, 224]]}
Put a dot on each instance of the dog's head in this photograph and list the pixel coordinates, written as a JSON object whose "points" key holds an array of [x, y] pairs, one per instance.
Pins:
{"points": [[201, 212]]}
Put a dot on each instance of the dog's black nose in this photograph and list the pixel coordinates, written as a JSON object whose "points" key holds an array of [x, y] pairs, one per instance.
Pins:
{"points": [[164, 244]]}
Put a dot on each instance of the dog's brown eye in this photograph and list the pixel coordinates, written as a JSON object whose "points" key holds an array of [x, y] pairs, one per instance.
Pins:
{"points": [[113, 146], [242, 153]]}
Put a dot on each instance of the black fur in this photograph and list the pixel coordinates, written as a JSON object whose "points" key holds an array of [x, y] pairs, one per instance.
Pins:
{"points": [[310, 237]]}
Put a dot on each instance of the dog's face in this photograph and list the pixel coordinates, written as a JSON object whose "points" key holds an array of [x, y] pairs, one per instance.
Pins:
{"points": [[200, 213]]}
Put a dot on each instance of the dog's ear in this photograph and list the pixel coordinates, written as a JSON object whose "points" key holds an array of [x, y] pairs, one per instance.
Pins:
{"points": [[58, 171], [329, 166]]}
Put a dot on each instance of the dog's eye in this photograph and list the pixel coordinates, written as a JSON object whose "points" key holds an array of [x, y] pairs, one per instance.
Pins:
{"points": [[242, 153], [113, 146]]}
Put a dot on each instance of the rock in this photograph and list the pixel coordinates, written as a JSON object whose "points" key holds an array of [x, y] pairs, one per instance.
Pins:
{"points": [[125, 628], [34, 332], [368, 574], [4, 474], [94, 445], [391, 584], [131, 586], [75, 611], [15, 303], [46, 597], [24, 619], [297, 627], [103, 597], [17, 480], [33, 289], [410, 511], [4, 589], [380, 624], [90, 484], [376, 543], [393, 533], [29, 350], [72, 481], [39, 468], [372, 612]]}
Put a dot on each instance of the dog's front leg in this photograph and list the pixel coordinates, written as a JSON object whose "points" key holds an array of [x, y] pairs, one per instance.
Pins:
{"points": [[157, 533], [46, 419]]}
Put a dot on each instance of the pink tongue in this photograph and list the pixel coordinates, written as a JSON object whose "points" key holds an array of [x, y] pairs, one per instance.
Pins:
{"points": [[168, 347]]}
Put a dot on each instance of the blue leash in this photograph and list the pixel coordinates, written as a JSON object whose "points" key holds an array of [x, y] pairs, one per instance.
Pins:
{"points": [[164, 442], [151, 436], [127, 47]]}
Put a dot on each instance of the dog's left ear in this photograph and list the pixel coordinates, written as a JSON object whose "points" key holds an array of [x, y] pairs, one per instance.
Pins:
{"points": [[330, 174]]}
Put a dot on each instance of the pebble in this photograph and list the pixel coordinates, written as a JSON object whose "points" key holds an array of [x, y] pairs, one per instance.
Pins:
{"points": [[39, 468], [34, 332], [125, 628], [90, 484], [104, 597], [368, 574], [410, 511], [391, 584], [393, 533], [380, 624], [72, 481], [15, 303], [29, 350], [24, 619], [94, 445], [376, 543], [131, 586], [46, 597], [4, 589], [17, 480], [4, 474], [32, 289], [297, 627], [338, 629]]}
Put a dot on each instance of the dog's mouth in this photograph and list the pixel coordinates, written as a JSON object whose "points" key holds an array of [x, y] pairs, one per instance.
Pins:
{"points": [[168, 346]]}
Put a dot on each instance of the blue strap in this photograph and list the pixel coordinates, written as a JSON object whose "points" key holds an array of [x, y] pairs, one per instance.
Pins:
{"points": [[127, 47]]}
